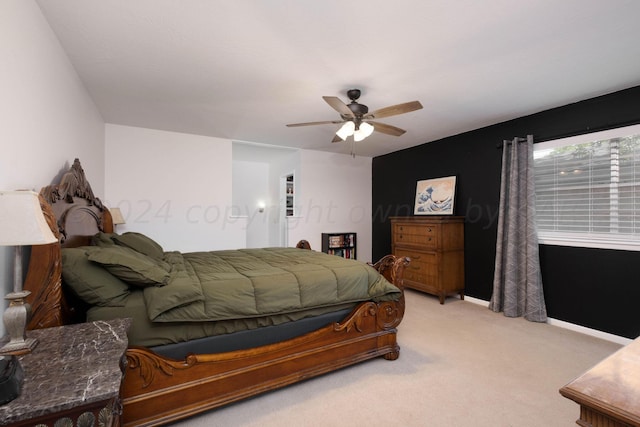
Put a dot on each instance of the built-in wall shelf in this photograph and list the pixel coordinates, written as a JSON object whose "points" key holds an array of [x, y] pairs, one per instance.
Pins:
{"points": [[290, 195]]}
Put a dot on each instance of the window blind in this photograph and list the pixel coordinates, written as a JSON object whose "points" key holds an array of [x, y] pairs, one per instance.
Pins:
{"points": [[589, 191]]}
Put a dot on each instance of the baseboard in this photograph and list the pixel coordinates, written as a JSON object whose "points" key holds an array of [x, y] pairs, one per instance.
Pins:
{"points": [[476, 301], [588, 331], [566, 325]]}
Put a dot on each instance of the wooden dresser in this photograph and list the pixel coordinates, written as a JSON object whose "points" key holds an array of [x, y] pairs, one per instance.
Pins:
{"points": [[435, 245], [609, 393]]}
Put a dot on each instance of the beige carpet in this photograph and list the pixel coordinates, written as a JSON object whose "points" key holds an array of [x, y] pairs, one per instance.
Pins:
{"points": [[460, 365]]}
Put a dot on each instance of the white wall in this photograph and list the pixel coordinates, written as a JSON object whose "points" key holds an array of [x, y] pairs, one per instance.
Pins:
{"points": [[48, 118], [177, 188], [286, 164], [251, 187], [174, 187], [256, 166], [333, 194]]}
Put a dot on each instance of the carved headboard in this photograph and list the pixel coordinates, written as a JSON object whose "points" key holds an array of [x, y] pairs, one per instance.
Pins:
{"points": [[74, 215]]}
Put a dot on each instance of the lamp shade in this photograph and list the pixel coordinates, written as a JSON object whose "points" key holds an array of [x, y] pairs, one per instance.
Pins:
{"points": [[364, 131], [346, 130], [116, 216], [22, 221]]}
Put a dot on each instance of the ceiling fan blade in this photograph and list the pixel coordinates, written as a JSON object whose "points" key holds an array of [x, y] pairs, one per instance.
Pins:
{"points": [[337, 104], [385, 128], [394, 110], [326, 122], [336, 138]]}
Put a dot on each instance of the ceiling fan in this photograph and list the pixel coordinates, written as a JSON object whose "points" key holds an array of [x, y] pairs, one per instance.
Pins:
{"points": [[356, 119]]}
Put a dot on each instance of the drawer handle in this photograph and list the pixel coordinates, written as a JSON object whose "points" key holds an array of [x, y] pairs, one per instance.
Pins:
{"points": [[429, 239], [401, 228], [415, 257], [429, 229]]}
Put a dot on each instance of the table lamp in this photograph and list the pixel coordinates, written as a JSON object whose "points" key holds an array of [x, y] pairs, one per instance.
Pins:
{"points": [[21, 223]]}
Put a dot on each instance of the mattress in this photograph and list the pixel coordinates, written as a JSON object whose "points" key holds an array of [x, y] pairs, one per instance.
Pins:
{"points": [[144, 332]]}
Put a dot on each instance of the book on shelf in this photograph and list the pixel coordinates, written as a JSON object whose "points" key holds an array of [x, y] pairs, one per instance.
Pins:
{"points": [[336, 241], [341, 240]]}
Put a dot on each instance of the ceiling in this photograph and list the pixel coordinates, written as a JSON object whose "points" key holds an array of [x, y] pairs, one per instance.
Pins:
{"points": [[242, 69]]}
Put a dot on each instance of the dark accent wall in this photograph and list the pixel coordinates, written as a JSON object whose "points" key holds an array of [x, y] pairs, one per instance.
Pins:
{"points": [[595, 288]]}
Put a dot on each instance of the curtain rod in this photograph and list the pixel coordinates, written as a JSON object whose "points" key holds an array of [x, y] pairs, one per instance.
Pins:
{"points": [[519, 139], [588, 129]]}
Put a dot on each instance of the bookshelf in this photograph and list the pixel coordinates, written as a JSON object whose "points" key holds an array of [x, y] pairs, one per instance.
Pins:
{"points": [[339, 244], [290, 194]]}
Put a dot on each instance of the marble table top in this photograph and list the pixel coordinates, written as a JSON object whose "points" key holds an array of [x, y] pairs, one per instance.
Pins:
{"points": [[71, 366]]}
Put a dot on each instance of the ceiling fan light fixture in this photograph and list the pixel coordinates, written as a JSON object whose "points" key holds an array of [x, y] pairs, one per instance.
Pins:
{"points": [[364, 131], [346, 130], [355, 117]]}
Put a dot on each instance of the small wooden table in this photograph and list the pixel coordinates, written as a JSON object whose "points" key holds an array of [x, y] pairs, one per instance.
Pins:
{"points": [[72, 377], [609, 393]]}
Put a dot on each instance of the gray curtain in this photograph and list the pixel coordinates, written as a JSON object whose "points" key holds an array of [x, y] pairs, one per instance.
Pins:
{"points": [[517, 282]]}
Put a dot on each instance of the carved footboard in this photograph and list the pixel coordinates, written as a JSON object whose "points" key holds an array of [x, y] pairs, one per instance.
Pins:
{"points": [[202, 382]]}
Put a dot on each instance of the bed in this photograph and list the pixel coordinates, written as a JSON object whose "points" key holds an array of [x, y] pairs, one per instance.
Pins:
{"points": [[222, 359]]}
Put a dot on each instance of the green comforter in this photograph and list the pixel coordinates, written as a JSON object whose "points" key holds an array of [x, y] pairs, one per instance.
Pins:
{"points": [[246, 283]]}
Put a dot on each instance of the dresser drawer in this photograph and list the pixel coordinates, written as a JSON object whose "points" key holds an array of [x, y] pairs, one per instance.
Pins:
{"points": [[417, 235], [423, 267]]}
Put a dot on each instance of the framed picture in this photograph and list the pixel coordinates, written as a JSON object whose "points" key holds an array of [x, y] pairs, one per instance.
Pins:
{"points": [[435, 196]]}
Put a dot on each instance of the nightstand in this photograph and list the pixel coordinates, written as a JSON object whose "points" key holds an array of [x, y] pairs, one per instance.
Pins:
{"points": [[72, 377]]}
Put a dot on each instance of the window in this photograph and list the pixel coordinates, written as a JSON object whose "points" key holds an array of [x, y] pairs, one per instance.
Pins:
{"points": [[588, 190]]}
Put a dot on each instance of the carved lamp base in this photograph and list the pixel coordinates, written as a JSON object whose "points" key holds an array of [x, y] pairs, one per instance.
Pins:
{"points": [[15, 321]]}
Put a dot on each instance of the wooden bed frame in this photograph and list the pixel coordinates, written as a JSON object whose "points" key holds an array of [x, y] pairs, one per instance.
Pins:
{"points": [[158, 390]]}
